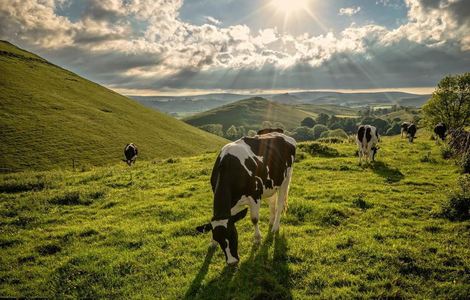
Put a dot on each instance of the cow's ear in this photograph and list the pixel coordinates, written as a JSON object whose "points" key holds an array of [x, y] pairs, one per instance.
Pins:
{"points": [[238, 216], [204, 228]]}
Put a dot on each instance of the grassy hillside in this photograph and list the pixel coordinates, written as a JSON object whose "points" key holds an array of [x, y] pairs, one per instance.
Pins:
{"points": [[403, 114], [350, 232], [250, 113], [49, 116]]}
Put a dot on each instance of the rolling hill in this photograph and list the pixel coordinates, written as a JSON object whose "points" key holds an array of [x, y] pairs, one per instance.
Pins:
{"points": [[50, 116], [361, 99], [250, 113], [253, 111], [182, 106]]}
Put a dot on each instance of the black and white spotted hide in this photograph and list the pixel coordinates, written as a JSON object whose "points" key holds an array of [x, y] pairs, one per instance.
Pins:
{"points": [[411, 133], [367, 139], [440, 130], [404, 128], [130, 152], [245, 172]]}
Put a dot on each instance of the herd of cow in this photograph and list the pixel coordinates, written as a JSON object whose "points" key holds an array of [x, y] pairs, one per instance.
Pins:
{"points": [[260, 167]]}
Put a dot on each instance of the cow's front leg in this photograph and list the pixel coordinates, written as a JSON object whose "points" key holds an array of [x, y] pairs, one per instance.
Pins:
{"points": [[254, 213], [272, 208]]}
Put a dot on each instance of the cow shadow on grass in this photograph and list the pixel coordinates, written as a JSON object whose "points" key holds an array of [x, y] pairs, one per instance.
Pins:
{"points": [[390, 174], [262, 276]]}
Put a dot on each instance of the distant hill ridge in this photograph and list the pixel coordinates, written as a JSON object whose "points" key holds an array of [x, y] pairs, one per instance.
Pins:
{"points": [[186, 105], [251, 113], [51, 117]]}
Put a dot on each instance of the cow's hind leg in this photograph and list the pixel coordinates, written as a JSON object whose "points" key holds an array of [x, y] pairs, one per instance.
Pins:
{"points": [[272, 208], [254, 213], [281, 201]]}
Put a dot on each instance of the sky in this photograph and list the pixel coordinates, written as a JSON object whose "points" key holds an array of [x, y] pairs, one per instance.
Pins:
{"points": [[144, 47]]}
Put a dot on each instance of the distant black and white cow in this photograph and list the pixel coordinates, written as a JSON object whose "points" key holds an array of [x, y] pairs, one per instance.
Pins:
{"points": [[367, 139], [440, 130], [130, 152], [404, 128], [246, 171], [411, 132]]}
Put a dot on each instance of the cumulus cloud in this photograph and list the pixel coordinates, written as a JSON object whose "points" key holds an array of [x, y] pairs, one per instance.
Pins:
{"points": [[349, 11], [165, 51]]}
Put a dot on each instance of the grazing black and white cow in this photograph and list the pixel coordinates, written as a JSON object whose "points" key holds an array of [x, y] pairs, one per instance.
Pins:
{"points": [[404, 128], [246, 171], [411, 132], [367, 139], [440, 130], [130, 152]]}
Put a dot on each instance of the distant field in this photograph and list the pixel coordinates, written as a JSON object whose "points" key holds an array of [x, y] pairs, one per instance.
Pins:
{"points": [[336, 110], [350, 232]]}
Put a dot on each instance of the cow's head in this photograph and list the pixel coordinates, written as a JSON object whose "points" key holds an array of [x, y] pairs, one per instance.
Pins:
{"points": [[374, 152], [225, 233], [128, 161]]}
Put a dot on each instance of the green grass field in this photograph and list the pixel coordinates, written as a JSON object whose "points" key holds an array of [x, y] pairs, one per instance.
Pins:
{"points": [[50, 116], [350, 232]]}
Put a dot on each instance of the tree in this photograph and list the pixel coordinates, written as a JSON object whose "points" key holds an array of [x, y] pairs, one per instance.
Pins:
{"points": [[251, 133], [266, 124], [213, 128], [303, 134], [449, 103], [232, 133], [279, 125], [308, 122], [322, 118], [381, 124], [333, 119], [318, 129], [241, 131], [394, 129]]}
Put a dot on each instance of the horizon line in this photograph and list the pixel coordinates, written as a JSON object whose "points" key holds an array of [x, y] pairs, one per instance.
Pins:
{"points": [[253, 92]]}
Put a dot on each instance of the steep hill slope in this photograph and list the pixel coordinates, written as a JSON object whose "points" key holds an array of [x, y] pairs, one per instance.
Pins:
{"points": [[50, 116], [250, 113]]}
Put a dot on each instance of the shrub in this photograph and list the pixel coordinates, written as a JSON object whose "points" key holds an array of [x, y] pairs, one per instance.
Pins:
{"points": [[457, 207], [446, 152], [303, 134], [308, 122], [331, 140], [427, 158], [318, 129], [336, 133], [317, 149]]}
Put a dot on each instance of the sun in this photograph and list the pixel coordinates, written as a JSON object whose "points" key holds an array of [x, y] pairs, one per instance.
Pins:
{"points": [[290, 6]]}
